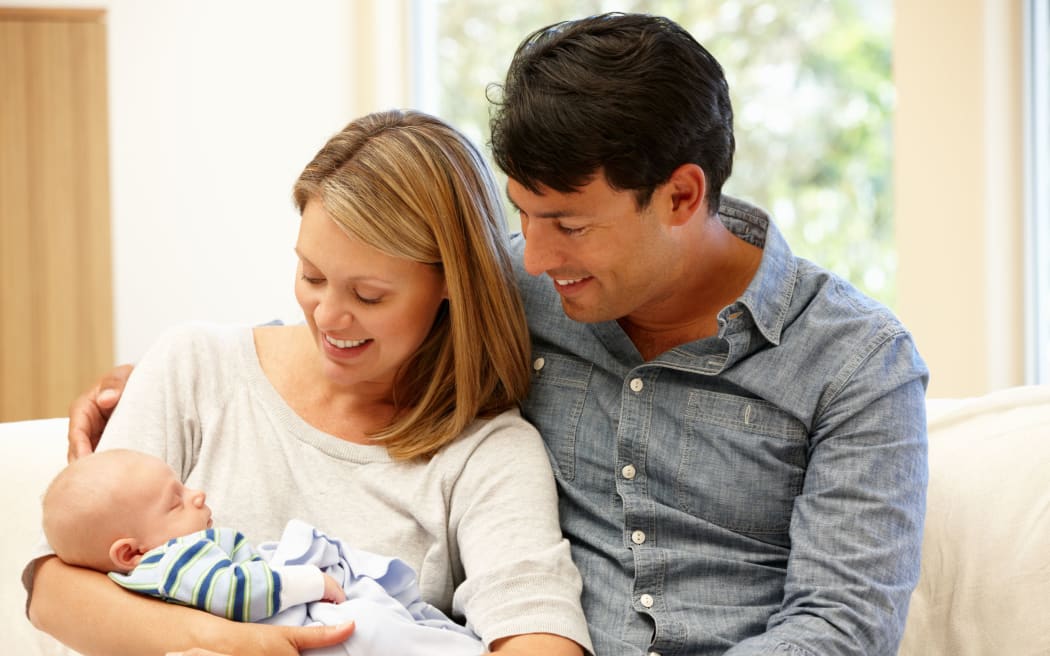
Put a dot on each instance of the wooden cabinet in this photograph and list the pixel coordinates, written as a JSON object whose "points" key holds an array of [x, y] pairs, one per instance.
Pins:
{"points": [[56, 307]]}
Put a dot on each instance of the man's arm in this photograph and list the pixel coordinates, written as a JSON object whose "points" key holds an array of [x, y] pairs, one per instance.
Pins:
{"points": [[119, 623], [90, 411], [856, 529]]}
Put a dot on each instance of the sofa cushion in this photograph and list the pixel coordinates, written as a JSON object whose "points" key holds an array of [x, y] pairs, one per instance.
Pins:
{"points": [[985, 577], [34, 451]]}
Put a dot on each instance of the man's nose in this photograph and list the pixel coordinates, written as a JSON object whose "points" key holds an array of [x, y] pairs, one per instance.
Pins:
{"points": [[541, 254]]}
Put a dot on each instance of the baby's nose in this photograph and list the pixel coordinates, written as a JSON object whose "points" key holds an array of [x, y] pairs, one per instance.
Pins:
{"points": [[198, 498]]}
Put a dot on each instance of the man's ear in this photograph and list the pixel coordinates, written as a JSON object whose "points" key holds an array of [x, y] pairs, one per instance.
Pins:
{"points": [[125, 554], [687, 188]]}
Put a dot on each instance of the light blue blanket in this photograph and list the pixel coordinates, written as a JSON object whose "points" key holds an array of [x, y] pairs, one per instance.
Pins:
{"points": [[382, 598]]}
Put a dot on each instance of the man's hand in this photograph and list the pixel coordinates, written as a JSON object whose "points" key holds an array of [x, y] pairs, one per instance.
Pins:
{"points": [[90, 411]]}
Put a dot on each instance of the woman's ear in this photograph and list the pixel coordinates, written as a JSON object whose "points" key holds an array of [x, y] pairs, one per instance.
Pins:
{"points": [[125, 554], [687, 187]]}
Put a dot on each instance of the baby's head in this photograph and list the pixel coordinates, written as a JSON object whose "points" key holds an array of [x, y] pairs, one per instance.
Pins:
{"points": [[106, 510]]}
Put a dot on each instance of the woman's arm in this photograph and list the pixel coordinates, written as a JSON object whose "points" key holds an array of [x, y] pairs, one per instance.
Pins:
{"points": [[520, 583], [110, 621], [536, 643]]}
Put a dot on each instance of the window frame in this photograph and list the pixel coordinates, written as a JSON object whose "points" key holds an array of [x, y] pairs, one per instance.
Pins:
{"points": [[1037, 190]]}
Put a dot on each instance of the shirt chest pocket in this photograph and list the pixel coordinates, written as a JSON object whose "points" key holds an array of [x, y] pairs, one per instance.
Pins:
{"points": [[741, 464], [555, 404]]}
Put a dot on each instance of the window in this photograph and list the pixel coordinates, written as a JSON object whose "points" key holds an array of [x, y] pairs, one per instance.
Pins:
{"points": [[1037, 189], [813, 102]]}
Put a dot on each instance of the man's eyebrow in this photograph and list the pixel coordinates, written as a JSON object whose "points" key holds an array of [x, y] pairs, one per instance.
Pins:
{"points": [[553, 214], [506, 192]]}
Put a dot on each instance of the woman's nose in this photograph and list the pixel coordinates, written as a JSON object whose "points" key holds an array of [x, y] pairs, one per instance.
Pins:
{"points": [[332, 314]]}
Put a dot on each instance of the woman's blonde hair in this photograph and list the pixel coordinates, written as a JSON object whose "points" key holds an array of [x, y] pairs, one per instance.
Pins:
{"points": [[411, 186]]}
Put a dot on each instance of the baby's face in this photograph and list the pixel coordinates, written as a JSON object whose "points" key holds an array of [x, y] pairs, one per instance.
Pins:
{"points": [[165, 507]]}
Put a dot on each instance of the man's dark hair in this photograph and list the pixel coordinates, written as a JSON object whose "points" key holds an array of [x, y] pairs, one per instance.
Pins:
{"points": [[631, 94]]}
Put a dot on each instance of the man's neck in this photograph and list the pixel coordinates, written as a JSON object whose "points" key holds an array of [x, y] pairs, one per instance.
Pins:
{"points": [[717, 274]]}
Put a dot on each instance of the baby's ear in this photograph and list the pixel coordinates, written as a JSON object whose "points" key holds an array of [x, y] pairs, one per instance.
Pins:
{"points": [[125, 554]]}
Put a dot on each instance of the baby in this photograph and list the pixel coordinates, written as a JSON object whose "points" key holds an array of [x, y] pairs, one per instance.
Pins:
{"points": [[127, 513]]}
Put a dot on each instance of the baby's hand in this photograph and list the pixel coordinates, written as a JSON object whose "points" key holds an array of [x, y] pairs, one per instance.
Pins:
{"points": [[333, 592]]}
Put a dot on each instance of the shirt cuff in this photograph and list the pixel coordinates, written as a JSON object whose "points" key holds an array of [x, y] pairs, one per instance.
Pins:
{"points": [[300, 584]]}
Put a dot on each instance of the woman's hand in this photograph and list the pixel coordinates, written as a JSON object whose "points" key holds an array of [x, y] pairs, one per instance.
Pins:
{"points": [[291, 641], [90, 411]]}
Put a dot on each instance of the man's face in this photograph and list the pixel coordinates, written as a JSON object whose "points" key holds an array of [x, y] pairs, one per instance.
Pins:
{"points": [[606, 258]]}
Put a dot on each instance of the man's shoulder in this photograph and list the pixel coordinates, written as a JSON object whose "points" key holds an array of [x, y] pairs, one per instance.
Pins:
{"points": [[826, 298]]}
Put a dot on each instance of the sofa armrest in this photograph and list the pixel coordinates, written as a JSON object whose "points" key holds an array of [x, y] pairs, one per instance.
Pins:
{"points": [[33, 452], [985, 572]]}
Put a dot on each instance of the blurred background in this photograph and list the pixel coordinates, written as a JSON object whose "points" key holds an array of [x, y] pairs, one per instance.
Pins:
{"points": [[148, 148]]}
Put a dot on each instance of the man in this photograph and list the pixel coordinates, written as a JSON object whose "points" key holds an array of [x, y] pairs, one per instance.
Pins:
{"points": [[738, 435]]}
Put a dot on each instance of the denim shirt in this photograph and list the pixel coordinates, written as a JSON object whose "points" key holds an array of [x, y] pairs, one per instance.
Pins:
{"points": [[761, 491]]}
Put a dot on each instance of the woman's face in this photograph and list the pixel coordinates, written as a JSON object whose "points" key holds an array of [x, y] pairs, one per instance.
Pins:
{"points": [[368, 312]]}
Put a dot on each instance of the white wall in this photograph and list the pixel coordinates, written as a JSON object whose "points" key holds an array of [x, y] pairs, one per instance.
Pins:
{"points": [[958, 182], [215, 107]]}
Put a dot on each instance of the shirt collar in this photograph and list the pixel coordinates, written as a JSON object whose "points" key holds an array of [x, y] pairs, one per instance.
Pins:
{"points": [[768, 296]]}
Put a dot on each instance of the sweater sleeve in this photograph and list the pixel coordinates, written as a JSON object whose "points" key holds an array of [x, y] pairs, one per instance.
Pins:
{"points": [[519, 574], [167, 400], [214, 570]]}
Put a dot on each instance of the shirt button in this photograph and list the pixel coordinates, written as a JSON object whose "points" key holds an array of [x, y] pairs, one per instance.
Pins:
{"points": [[638, 537], [628, 472], [637, 384], [646, 600], [538, 363]]}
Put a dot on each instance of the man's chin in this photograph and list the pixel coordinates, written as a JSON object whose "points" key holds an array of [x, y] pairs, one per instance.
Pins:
{"points": [[584, 313]]}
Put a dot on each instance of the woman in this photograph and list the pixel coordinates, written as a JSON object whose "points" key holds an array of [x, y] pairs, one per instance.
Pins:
{"points": [[389, 418]]}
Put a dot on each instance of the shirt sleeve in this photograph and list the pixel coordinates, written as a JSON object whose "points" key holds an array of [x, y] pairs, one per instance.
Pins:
{"points": [[856, 529], [214, 570]]}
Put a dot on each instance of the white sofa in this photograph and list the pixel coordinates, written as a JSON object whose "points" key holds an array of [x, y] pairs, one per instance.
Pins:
{"points": [[985, 584]]}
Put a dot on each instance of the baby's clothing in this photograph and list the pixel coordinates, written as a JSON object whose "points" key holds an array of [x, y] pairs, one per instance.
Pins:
{"points": [[281, 582]]}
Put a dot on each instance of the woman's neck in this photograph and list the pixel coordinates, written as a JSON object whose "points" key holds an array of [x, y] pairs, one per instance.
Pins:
{"points": [[290, 360]]}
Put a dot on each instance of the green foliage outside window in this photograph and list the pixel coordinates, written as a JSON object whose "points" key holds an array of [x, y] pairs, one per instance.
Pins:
{"points": [[812, 95]]}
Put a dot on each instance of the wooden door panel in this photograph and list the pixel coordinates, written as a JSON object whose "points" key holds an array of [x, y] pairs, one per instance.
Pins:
{"points": [[56, 329]]}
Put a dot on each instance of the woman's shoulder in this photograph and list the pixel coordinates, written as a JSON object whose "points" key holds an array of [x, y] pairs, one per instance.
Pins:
{"points": [[506, 436], [281, 350], [508, 424], [192, 343]]}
